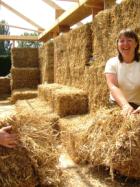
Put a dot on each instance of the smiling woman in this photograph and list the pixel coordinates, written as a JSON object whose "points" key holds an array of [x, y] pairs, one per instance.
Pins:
{"points": [[122, 73]]}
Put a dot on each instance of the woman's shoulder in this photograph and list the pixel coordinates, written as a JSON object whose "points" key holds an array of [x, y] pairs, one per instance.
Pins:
{"points": [[113, 59], [111, 65]]}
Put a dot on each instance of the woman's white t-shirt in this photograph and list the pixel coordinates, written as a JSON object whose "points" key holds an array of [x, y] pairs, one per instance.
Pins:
{"points": [[128, 75]]}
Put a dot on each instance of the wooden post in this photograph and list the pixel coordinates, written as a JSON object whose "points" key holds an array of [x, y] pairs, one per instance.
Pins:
{"points": [[13, 44], [61, 28]]}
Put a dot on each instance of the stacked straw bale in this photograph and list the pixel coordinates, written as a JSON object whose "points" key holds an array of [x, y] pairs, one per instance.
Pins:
{"points": [[25, 78], [72, 51], [107, 24], [64, 100], [25, 68], [70, 101], [46, 62], [20, 94], [24, 57], [45, 92], [38, 139], [113, 141], [5, 85]]}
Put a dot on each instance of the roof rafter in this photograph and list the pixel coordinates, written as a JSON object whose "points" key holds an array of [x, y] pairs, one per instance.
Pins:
{"points": [[58, 9], [52, 4], [14, 26], [72, 16], [23, 38], [21, 15]]}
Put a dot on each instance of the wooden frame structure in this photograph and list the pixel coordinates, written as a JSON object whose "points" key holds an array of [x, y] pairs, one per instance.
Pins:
{"points": [[64, 19], [81, 10]]}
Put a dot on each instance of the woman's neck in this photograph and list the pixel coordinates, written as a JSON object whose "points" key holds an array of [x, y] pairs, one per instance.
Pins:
{"points": [[128, 59]]}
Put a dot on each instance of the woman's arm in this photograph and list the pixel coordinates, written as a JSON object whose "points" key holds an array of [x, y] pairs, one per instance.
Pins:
{"points": [[117, 94]]}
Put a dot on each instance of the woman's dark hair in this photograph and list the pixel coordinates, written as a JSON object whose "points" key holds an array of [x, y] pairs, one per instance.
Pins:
{"points": [[130, 34]]}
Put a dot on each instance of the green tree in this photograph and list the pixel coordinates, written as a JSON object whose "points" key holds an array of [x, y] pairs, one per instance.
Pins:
{"points": [[5, 46], [26, 44]]}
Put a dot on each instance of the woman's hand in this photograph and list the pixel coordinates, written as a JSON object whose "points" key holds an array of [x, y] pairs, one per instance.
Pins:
{"points": [[127, 110], [7, 139], [136, 111]]}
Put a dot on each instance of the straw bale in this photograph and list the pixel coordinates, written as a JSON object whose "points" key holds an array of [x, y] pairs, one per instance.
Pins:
{"points": [[15, 169], [5, 85], [25, 78], [70, 101], [24, 57], [73, 129], [63, 99], [46, 62], [113, 141], [39, 139], [72, 51], [37, 106], [45, 92], [21, 94]]}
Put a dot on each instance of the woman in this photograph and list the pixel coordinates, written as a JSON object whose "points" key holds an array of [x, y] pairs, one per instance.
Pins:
{"points": [[6, 138], [123, 73]]}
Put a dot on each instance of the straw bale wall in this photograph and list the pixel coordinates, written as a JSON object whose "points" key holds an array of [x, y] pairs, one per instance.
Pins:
{"points": [[24, 77], [5, 85], [24, 57], [108, 23], [73, 64], [46, 62], [106, 26]]}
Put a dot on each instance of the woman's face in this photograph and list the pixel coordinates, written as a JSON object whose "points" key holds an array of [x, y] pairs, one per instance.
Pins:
{"points": [[127, 46]]}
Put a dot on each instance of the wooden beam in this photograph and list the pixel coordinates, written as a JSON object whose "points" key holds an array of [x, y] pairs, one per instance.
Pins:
{"points": [[73, 16], [52, 4], [76, 1], [23, 38], [17, 27], [21, 15], [58, 12]]}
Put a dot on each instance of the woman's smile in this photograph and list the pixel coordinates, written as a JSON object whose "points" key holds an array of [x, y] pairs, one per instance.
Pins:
{"points": [[126, 47]]}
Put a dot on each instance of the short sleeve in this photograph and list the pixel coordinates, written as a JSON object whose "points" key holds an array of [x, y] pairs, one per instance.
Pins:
{"points": [[111, 66]]}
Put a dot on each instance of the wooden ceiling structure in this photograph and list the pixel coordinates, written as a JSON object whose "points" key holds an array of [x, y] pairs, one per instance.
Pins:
{"points": [[64, 19]]}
